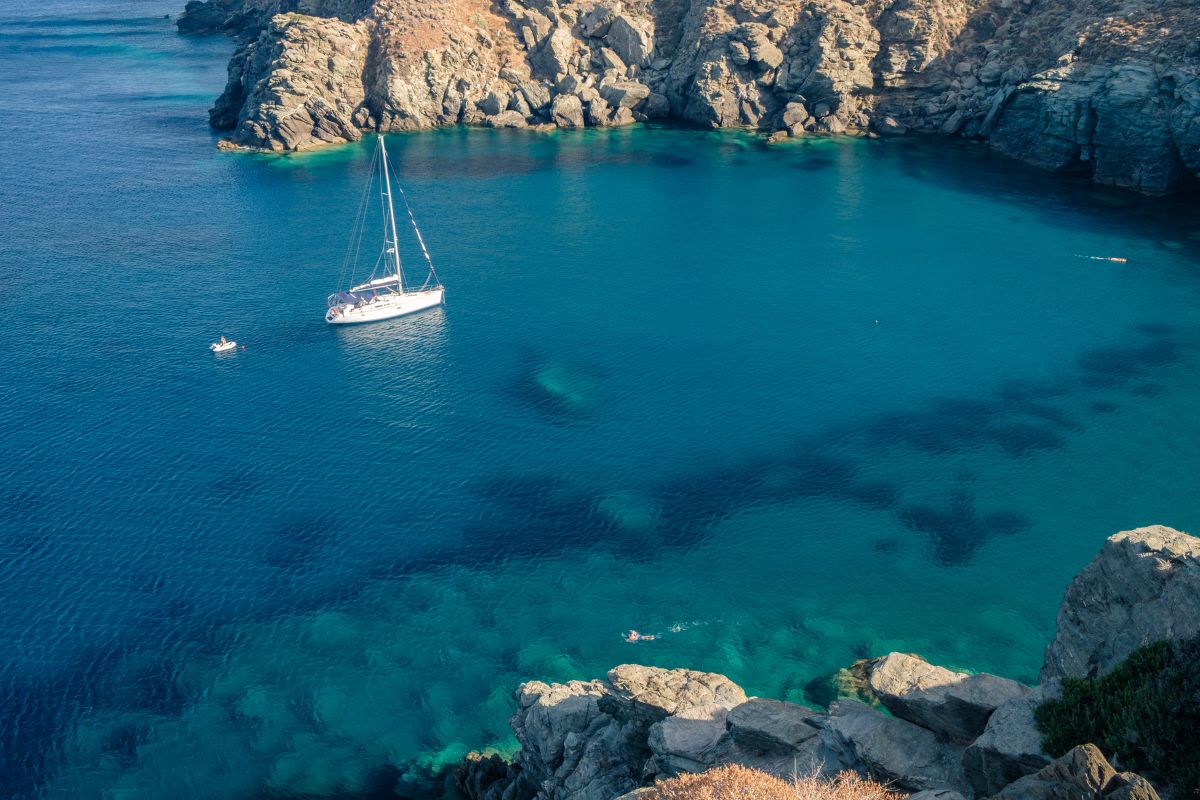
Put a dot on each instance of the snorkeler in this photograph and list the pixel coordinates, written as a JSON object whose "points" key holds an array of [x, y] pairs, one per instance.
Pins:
{"points": [[634, 636]]}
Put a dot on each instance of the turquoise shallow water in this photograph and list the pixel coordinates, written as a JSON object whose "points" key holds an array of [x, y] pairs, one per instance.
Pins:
{"points": [[787, 407]]}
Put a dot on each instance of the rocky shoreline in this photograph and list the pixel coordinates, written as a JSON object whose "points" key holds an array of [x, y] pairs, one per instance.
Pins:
{"points": [[934, 732], [1109, 88]]}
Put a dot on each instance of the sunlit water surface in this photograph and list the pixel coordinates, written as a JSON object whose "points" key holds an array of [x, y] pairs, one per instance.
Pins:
{"points": [[787, 407]]}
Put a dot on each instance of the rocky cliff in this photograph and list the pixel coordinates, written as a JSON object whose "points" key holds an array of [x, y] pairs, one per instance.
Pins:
{"points": [[947, 735], [1109, 87]]}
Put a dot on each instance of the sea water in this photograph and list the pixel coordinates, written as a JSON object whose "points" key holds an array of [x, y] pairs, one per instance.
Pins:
{"points": [[784, 406]]}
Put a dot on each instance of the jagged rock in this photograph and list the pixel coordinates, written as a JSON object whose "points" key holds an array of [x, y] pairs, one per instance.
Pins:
{"points": [[630, 39], [739, 53], [203, 17], [1011, 744], [954, 704], [296, 86], [569, 747], [597, 21], [506, 119], [644, 793], [567, 111], [1097, 86], [688, 741], [552, 58], [629, 94], [537, 96], [517, 102], [482, 777], [936, 794], [493, 104], [888, 126], [771, 726], [1143, 587], [794, 114], [596, 112], [607, 59], [1081, 774], [762, 50], [891, 749], [648, 694], [657, 106]]}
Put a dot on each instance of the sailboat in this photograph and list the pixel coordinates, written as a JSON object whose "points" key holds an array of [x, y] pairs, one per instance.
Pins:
{"points": [[385, 293]]}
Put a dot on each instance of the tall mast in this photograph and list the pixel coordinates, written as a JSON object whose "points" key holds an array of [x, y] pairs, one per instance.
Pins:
{"points": [[387, 182]]}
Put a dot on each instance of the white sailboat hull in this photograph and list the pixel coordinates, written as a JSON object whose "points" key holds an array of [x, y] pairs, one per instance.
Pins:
{"points": [[387, 305]]}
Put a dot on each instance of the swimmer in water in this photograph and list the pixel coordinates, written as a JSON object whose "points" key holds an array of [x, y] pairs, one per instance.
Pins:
{"points": [[634, 636]]}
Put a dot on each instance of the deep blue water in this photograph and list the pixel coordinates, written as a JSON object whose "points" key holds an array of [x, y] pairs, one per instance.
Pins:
{"points": [[786, 406]]}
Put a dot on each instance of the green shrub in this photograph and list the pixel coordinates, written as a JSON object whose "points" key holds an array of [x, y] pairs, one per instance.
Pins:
{"points": [[1146, 713]]}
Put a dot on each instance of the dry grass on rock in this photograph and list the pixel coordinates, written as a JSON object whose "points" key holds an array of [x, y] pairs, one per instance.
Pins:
{"points": [[734, 782]]}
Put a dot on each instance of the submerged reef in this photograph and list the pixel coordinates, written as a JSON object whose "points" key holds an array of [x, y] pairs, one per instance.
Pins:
{"points": [[1105, 87], [947, 734]]}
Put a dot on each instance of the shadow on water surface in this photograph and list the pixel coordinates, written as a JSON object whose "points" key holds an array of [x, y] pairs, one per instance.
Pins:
{"points": [[1019, 419], [972, 167]]}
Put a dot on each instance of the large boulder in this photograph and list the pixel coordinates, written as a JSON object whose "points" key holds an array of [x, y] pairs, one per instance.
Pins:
{"points": [[570, 748], [1081, 774], [506, 119], [1011, 744], [629, 94], [892, 750], [1143, 587], [772, 726], [955, 704], [645, 695], [631, 39], [688, 741], [567, 111]]}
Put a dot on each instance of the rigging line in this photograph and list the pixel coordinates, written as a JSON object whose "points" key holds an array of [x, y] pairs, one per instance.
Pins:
{"points": [[354, 245], [420, 238]]}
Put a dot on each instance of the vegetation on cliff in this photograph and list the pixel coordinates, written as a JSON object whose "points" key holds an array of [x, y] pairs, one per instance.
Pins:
{"points": [[1146, 712], [735, 782]]}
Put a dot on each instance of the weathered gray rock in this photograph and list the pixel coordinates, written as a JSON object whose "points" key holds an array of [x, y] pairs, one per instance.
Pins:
{"points": [[297, 86], [954, 704], [552, 58], [1081, 774], [770, 726], [631, 39], [567, 111], [1011, 745], [646, 695], [688, 741], [506, 119], [891, 749], [1097, 86], [493, 104], [595, 23], [657, 106], [629, 94], [794, 116], [569, 747], [1143, 587], [537, 95], [936, 794]]}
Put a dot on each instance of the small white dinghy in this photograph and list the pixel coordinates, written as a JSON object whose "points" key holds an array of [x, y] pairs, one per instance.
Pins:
{"points": [[223, 346], [385, 293]]}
